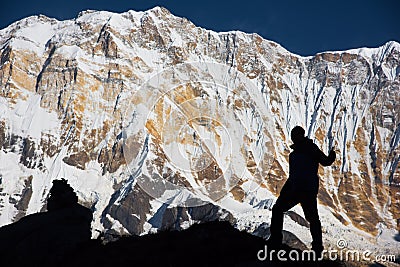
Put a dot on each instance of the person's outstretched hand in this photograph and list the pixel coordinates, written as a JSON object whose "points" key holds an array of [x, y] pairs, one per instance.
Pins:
{"points": [[332, 153]]}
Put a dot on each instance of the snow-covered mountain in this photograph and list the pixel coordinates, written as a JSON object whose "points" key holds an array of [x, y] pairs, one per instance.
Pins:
{"points": [[159, 124]]}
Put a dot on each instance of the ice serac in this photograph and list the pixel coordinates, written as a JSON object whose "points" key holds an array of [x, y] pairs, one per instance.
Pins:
{"points": [[72, 93]]}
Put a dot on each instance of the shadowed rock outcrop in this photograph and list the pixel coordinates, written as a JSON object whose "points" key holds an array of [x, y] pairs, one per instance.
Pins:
{"points": [[43, 239], [208, 244]]}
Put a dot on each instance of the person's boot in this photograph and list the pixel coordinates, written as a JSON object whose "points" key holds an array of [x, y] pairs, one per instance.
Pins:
{"points": [[318, 251]]}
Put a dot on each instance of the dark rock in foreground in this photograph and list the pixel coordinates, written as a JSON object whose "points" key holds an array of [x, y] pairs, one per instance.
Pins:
{"points": [[207, 244], [52, 239]]}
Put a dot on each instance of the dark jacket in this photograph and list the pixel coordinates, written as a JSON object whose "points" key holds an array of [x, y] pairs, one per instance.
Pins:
{"points": [[303, 165]]}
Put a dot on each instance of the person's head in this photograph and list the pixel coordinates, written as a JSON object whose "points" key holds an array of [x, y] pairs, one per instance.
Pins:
{"points": [[297, 134]]}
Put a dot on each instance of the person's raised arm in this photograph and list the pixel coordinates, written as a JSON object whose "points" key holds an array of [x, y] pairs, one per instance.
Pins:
{"points": [[323, 159]]}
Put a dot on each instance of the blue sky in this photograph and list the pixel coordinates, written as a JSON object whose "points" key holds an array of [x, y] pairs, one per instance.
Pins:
{"points": [[302, 27]]}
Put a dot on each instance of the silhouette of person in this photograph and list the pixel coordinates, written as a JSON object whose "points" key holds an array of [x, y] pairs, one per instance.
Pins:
{"points": [[44, 238], [301, 187]]}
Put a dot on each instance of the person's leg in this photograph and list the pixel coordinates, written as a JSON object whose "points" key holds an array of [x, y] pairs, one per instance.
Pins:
{"points": [[286, 200], [309, 205]]}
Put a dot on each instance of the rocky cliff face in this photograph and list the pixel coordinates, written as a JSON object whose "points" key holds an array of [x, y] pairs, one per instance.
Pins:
{"points": [[149, 117]]}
